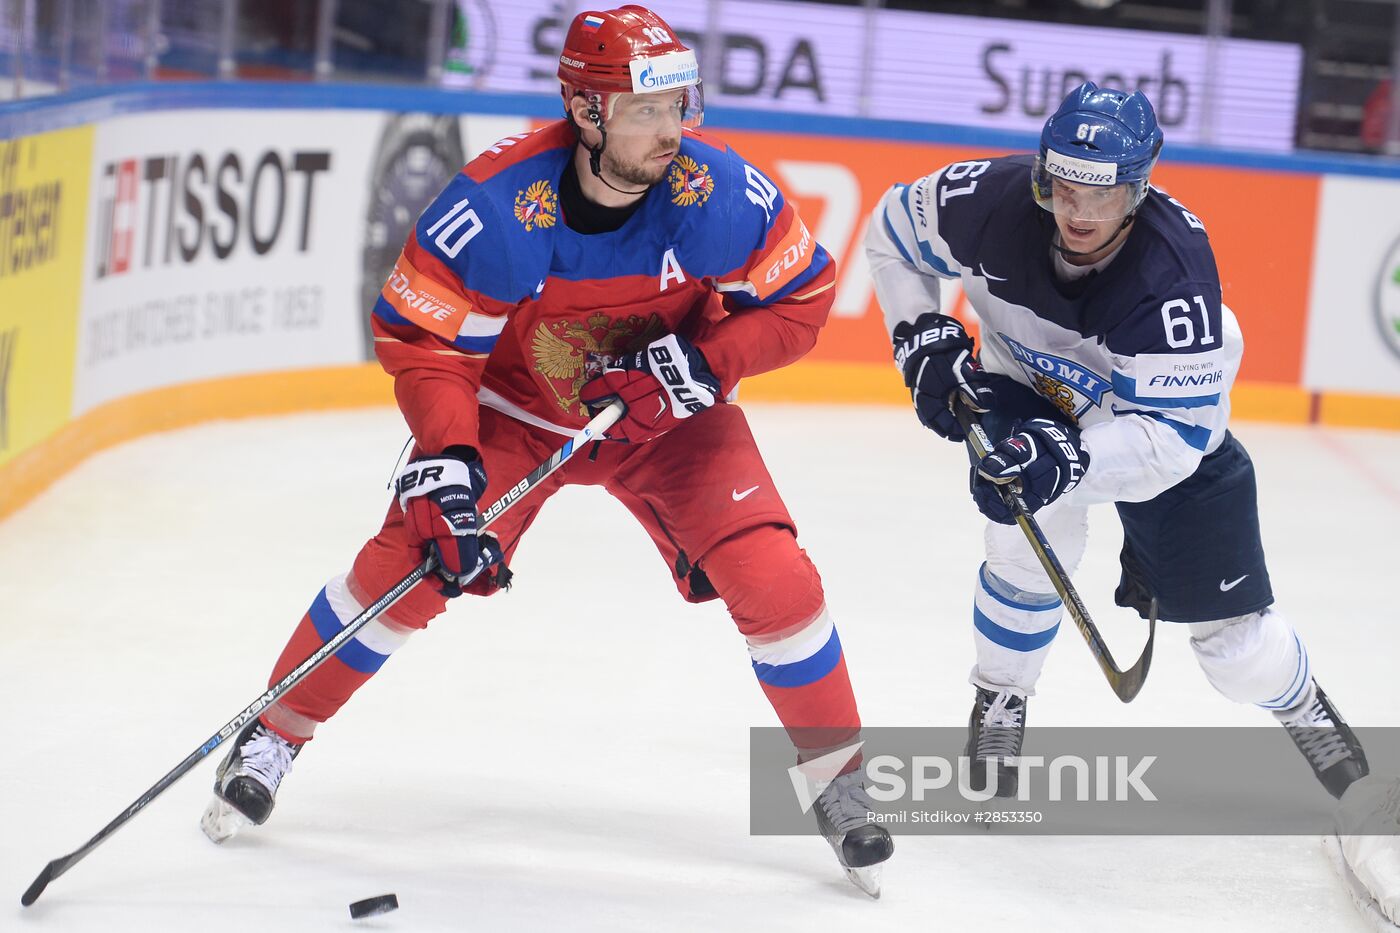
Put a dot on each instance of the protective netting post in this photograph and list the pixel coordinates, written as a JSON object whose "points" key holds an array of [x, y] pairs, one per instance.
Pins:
{"points": [[325, 38], [1392, 133]]}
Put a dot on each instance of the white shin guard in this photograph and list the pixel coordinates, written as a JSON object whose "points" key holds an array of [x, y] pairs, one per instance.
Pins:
{"points": [[1256, 658], [1013, 630]]}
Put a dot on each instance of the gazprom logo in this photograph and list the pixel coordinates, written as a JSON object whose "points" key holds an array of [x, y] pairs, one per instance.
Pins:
{"points": [[663, 72]]}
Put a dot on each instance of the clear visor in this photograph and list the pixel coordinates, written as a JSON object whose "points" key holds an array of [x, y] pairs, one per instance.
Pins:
{"points": [[659, 114], [1081, 203]]}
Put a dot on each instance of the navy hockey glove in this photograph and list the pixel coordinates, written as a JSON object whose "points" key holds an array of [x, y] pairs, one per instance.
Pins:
{"points": [[1043, 456], [935, 355], [438, 495], [661, 385]]}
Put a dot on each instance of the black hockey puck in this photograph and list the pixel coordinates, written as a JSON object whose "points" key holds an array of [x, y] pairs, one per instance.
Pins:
{"points": [[374, 905]]}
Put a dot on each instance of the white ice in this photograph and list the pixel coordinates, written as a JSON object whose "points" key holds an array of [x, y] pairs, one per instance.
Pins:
{"points": [[573, 755]]}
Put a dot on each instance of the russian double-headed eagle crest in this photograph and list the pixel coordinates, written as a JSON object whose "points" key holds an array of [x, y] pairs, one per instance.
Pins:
{"points": [[537, 206], [570, 352], [691, 183]]}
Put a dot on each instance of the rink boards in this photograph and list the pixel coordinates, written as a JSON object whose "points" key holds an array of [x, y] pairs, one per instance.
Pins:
{"points": [[174, 253]]}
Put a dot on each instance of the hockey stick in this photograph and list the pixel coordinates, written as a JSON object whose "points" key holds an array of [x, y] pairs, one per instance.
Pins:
{"points": [[1126, 684], [591, 431]]}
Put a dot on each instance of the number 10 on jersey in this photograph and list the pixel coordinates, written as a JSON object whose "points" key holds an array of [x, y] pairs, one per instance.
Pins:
{"points": [[444, 239]]}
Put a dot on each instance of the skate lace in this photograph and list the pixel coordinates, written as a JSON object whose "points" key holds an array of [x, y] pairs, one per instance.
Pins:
{"points": [[1319, 738], [266, 756], [845, 802], [1000, 735]]}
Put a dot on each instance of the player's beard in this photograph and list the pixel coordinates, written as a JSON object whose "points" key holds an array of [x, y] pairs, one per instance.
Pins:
{"points": [[645, 173]]}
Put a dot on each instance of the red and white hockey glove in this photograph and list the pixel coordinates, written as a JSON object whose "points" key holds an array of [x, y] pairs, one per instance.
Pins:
{"points": [[438, 495], [661, 385]]}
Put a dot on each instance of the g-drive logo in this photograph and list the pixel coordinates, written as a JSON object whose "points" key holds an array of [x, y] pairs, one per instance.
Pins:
{"points": [[1081, 171], [661, 72]]}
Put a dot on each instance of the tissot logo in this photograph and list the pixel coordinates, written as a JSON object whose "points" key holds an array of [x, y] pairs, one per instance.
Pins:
{"points": [[161, 209]]}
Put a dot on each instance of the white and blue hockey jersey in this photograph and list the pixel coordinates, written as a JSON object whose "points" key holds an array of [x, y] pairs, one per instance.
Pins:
{"points": [[1140, 351]]}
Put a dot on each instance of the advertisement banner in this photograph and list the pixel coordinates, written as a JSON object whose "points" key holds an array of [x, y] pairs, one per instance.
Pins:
{"points": [[1260, 226], [233, 242], [43, 201], [219, 245], [1006, 75], [924, 67], [1354, 331]]}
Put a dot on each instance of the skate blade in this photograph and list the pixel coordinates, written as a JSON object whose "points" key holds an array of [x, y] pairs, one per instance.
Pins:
{"points": [[867, 879], [221, 822]]}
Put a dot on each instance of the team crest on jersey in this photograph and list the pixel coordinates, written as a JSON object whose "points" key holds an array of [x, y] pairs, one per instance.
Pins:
{"points": [[568, 353], [1069, 385], [691, 182], [537, 206]]}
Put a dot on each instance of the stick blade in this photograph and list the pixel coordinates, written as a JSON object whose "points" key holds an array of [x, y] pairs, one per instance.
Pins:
{"points": [[1128, 685], [31, 893]]}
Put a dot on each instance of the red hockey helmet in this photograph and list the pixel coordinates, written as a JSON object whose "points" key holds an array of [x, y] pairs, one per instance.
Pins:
{"points": [[629, 50]]}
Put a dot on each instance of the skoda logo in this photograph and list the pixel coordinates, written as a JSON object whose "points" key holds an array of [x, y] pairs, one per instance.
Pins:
{"points": [[1388, 298]]}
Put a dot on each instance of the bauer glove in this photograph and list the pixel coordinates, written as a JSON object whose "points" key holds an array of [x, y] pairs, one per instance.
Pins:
{"points": [[661, 385], [1041, 460], [438, 495], [935, 355]]}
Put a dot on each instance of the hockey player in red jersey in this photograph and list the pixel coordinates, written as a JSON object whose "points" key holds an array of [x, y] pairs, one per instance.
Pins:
{"points": [[614, 254]]}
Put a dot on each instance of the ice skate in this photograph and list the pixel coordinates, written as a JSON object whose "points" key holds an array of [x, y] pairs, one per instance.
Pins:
{"points": [[843, 814], [996, 729], [245, 786], [1326, 741]]}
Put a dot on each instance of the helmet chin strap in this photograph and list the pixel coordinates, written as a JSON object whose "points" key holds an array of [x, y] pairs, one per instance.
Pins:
{"points": [[1102, 246], [595, 154]]}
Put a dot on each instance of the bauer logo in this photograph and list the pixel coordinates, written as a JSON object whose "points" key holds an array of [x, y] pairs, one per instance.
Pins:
{"points": [[1388, 299]]}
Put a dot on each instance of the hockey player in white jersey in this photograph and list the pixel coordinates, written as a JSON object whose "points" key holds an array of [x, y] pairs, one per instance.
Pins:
{"points": [[1108, 358]]}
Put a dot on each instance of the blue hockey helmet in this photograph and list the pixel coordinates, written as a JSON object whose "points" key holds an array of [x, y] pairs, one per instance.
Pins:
{"points": [[1104, 143]]}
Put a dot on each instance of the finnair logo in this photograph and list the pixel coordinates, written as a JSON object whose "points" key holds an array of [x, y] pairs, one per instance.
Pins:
{"points": [[1196, 380], [663, 72], [1082, 171]]}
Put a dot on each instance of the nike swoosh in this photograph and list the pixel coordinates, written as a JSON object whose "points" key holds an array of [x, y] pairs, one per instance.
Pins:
{"points": [[738, 496], [988, 275], [1227, 587], [662, 410]]}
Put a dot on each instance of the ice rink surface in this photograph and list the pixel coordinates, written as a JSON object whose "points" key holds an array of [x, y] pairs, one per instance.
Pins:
{"points": [[572, 755]]}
